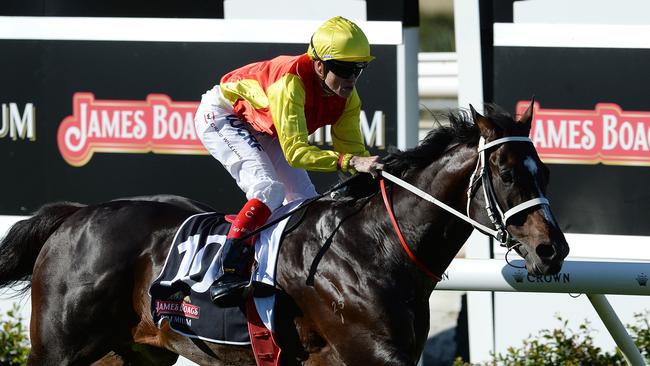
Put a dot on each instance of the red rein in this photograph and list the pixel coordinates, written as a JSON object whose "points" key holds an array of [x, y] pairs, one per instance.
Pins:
{"points": [[419, 264]]}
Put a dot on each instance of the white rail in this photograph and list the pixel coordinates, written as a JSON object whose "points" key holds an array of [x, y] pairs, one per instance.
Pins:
{"points": [[437, 75], [577, 277]]}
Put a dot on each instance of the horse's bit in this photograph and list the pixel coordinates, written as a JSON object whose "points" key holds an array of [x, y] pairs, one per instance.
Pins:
{"points": [[499, 221]]}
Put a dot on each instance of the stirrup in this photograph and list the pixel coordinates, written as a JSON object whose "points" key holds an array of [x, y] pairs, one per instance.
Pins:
{"points": [[230, 290]]}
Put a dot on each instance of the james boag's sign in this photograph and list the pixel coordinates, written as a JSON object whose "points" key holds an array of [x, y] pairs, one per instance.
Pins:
{"points": [[607, 135], [157, 124]]}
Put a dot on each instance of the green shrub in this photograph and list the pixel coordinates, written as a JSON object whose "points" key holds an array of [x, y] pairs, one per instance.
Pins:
{"points": [[14, 342], [640, 332], [437, 33], [563, 346]]}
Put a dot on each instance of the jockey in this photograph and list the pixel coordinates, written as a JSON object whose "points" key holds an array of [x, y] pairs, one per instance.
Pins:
{"points": [[256, 123]]}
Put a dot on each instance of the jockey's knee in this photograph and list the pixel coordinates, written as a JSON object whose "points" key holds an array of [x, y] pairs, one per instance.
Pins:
{"points": [[269, 192]]}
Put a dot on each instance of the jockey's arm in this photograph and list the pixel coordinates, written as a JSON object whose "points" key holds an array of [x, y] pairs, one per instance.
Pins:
{"points": [[347, 138], [287, 102], [346, 132]]}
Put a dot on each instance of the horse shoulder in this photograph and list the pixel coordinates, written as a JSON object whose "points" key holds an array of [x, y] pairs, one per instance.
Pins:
{"points": [[336, 281]]}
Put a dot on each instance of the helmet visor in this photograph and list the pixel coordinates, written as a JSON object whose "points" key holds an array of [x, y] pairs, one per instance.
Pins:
{"points": [[344, 69]]}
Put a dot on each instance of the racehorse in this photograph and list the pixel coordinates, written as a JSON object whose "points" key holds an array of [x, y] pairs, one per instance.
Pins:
{"points": [[348, 294]]}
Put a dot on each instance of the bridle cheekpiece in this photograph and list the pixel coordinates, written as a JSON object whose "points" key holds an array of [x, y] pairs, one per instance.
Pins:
{"points": [[499, 221]]}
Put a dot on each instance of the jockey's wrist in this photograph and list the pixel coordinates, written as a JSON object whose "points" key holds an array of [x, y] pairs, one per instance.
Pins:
{"points": [[343, 163], [339, 162]]}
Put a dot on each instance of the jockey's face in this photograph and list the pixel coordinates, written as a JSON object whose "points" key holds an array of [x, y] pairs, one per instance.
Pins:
{"points": [[340, 85]]}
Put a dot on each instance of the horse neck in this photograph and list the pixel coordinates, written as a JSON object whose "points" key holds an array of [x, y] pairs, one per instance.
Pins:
{"points": [[433, 234]]}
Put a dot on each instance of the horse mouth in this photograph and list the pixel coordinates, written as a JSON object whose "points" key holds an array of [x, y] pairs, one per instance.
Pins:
{"points": [[545, 258], [540, 268]]}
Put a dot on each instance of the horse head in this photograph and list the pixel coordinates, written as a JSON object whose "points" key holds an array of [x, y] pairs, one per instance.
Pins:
{"points": [[514, 182]]}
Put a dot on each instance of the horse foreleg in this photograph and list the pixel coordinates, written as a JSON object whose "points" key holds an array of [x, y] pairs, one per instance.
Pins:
{"points": [[348, 334]]}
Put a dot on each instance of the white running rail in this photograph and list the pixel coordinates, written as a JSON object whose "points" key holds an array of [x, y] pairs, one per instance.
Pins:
{"points": [[595, 279]]}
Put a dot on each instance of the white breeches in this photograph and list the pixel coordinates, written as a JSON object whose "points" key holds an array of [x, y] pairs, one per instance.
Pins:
{"points": [[253, 158]]}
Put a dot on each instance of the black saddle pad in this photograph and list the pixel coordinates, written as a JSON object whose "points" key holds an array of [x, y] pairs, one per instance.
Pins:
{"points": [[181, 293]]}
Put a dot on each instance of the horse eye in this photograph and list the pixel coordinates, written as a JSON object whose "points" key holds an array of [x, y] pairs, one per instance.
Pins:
{"points": [[506, 176]]}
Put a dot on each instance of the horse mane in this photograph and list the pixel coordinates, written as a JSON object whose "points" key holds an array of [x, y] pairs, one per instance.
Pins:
{"points": [[460, 129]]}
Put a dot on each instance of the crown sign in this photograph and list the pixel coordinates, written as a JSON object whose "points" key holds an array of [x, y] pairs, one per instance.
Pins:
{"points": [[642, 279]]}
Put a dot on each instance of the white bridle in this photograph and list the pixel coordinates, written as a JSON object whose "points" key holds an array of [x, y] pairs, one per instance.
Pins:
{"points": [[500, 221]]}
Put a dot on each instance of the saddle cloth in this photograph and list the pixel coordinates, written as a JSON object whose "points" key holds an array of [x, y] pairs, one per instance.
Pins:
{"points": [[180, 294]]}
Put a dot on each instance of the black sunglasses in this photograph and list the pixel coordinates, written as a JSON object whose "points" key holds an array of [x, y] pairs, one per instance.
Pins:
{"points": [[344, 69]]}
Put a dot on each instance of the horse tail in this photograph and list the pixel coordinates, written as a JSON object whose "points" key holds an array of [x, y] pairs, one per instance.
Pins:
{"points": [[20, 247]]}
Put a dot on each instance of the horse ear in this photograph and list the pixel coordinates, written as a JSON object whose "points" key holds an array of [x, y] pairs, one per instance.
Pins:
{"points": [[484, 124], [527, 117]]}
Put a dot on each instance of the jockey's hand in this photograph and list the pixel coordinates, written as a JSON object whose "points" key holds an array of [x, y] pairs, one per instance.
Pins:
{"points": [[369, 164]]}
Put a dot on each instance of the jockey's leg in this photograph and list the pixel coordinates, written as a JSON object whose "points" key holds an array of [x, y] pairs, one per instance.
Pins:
{"points": [[238, 254], [241, 150], [296, 181]]}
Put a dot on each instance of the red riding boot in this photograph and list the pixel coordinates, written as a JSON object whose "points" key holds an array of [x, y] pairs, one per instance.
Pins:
{"points": [[228, 289]]}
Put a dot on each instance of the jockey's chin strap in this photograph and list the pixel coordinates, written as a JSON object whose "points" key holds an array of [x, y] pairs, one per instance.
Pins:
{"points": [[500, 232]]}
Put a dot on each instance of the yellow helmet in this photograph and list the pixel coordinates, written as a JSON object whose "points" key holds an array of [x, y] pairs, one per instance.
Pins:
{"points": [[339, 39]]}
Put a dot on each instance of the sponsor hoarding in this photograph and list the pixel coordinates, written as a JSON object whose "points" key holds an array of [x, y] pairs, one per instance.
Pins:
{"points": [[591, 125], [605, 135], [91, 121]]}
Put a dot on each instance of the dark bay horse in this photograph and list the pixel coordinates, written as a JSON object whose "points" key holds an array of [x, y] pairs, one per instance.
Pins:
{"points": [[348, 293]]}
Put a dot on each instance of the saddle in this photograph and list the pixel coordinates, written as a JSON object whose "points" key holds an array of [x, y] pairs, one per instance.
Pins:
{"points": [[180, 294]]}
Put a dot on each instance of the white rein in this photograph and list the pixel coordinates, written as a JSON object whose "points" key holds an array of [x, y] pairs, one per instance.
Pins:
{"points": [[501, 233]]}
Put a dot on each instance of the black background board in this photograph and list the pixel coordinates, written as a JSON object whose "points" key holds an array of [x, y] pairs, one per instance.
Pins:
{"points": [[48, 73], [597, 199]]}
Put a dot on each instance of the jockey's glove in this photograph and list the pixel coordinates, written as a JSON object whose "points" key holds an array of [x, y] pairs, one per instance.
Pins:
{"points": [[367, 164]]}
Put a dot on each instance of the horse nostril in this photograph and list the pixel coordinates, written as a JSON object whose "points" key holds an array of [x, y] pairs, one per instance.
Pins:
{"points": [[545, 251]]}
